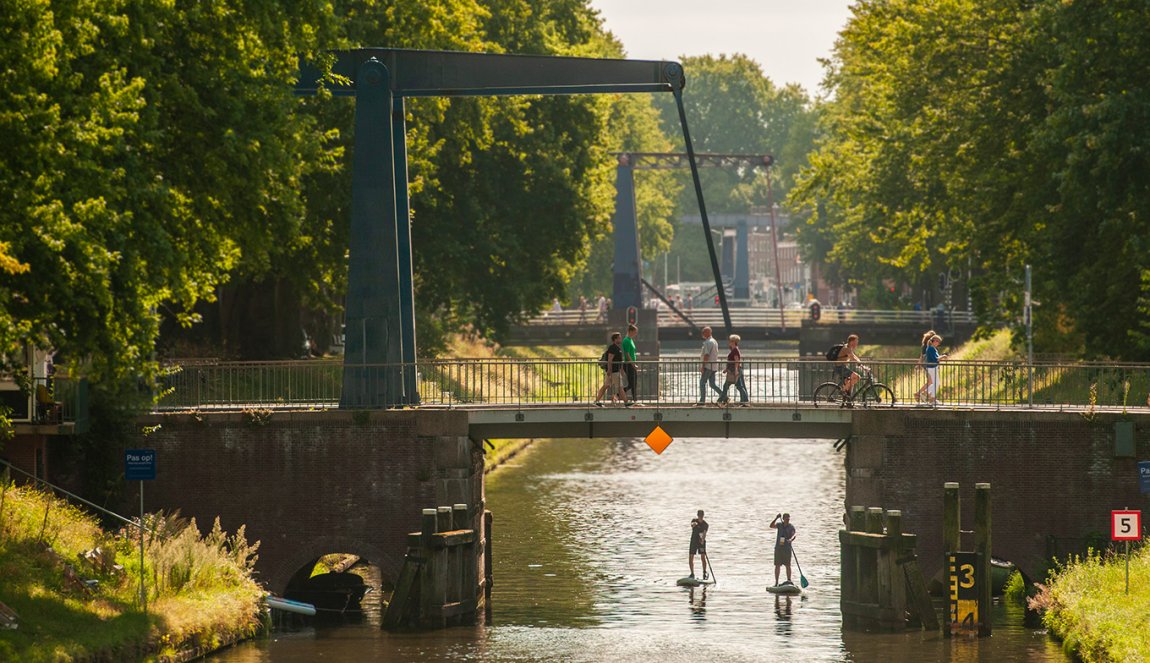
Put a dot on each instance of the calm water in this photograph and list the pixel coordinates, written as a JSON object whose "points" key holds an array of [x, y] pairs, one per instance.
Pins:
{"points": [[590, 536]]}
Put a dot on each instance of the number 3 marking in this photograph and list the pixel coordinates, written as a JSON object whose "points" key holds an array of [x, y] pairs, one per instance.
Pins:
{"points": [[968, 582]]}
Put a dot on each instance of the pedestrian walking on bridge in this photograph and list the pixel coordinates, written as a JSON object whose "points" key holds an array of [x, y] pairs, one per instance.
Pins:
{"points": [[630, 368], [931, 362], [710, 366], [734, 372]]}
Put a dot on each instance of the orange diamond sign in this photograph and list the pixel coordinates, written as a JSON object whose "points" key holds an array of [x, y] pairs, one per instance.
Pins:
{"points": [[658, 439]]}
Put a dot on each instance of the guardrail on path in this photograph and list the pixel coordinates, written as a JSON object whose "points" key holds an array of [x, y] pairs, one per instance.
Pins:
{"points": [[663, 382], [767, 317]]}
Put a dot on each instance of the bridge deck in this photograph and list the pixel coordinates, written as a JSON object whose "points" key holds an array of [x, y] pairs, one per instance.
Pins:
{"points": [[577, 420]]}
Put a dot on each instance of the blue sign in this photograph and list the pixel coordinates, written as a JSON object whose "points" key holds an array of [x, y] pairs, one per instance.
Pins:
{"points": [[1144, 476], [139, 464]]}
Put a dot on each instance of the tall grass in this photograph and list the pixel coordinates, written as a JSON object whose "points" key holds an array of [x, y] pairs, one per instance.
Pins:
{"points": [[200, 590], [1088, 608]]}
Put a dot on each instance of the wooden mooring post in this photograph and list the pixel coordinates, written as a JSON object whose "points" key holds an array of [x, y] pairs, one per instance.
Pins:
{"points": [[967, 571], [439, 584], [881, 584]]}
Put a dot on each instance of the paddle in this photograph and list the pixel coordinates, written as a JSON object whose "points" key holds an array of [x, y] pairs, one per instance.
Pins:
{"points": [[710, 566], [802, 578]]}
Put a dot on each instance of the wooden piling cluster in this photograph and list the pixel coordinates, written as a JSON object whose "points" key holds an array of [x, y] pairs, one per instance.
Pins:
{"points": [[881, 584], [439, 584]]}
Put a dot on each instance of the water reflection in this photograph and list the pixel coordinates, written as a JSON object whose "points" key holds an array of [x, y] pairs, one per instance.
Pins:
{"points": [[591, 535], [697, 599]]}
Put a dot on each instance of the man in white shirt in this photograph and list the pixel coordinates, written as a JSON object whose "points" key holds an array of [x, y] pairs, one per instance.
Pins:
{"points": [[710, 365]]}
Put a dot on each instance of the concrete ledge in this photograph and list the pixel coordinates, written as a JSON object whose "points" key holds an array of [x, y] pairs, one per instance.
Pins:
{"points": [[424, 422]]}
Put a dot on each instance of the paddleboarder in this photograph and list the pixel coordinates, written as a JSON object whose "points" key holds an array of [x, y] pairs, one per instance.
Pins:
{"points": [[698, 543], [784, 535]]}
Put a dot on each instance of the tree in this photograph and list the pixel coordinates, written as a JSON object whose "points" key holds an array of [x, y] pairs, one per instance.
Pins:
{"points": [[148, 148], [983, 135]]}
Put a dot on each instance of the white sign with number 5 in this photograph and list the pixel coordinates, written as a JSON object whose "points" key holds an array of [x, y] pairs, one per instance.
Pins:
{"points": [[1126, 525]]}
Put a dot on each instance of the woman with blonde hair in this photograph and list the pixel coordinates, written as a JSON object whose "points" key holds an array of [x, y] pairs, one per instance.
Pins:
{"points": [[931, 361], [921, 393], [735, 372]]}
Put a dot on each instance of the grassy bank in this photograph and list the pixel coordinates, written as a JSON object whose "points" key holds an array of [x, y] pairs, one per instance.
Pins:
{"points": [[76, 604], [461, 346], [1087, 607]]}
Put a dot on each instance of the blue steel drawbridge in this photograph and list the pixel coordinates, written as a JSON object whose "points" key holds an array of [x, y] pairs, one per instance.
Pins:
{"points": [[380, 349]]}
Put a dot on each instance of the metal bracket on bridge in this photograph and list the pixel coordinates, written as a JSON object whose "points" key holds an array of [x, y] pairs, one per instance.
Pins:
{"points": [[519, 416], [796, 416], [657, 416]]}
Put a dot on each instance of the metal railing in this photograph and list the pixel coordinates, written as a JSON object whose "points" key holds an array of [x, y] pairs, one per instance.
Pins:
{"points": [[768, 317], [664, 382], [49, 401]]}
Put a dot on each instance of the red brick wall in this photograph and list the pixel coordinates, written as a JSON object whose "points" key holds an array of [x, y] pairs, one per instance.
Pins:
{"points": [[309, 484], [21, 451], [1054, 477]]}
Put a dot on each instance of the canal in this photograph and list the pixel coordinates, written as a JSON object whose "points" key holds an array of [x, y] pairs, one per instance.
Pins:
{"points": [[590, 536]]}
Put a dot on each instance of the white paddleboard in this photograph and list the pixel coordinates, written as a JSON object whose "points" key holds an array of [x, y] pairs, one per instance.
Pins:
{"points": [[784, 589], [693, 582]]}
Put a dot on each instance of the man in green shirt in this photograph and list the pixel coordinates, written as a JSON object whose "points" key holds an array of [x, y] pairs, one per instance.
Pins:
{"points": [[629, 355]]}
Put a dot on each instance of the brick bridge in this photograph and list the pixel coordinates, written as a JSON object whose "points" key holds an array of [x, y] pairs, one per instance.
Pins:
{"points": [[310, 483]]}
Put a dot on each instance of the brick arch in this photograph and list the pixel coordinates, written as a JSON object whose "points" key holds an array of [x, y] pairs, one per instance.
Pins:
{"points": [[325, 545]]}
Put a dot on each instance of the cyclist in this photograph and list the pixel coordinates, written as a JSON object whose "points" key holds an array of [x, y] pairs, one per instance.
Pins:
{"points": [[846, 363]]}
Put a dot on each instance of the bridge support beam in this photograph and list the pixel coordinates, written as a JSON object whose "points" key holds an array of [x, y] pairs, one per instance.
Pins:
{"points": [[627, 288], [728, 259], [742, 283], [403, 248], [374, 350]]}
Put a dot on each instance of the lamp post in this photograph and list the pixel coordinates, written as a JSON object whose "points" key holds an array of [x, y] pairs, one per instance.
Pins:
{"points": [[775, 249], [1026, 315]]}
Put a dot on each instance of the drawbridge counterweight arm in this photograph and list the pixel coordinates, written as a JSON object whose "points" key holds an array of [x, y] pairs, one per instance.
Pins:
{"points": [[416, 73]]}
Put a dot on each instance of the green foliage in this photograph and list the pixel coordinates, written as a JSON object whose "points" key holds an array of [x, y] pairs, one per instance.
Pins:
{"points": [[202, 590], [979, 135], [158, 160], [150, 149], [180, 560], [1015, 589], [1088, 608]]}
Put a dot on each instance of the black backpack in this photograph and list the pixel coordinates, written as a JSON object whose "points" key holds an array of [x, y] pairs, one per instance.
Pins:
{"points": [[833, 353], [603, 361]]}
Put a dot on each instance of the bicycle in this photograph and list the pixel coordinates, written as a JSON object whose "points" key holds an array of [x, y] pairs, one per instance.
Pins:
{"points": [[866, 390]]}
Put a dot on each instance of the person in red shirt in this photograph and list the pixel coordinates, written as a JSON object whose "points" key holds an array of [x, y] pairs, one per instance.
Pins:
{"points": [[735, 372]]}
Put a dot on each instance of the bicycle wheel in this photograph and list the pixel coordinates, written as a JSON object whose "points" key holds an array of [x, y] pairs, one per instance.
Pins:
{"points": [[878, 395], [827, 393]]}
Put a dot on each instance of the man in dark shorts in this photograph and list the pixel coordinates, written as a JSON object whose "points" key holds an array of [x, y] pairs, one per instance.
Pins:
{"points": [[784, 535], [846, 363], [698, 543], [613, 379]]}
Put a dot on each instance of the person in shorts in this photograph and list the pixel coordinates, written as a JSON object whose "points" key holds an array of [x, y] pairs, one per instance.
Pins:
{"points": [[784, 535], [699, 529], [613, 376], [846, 363]]}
